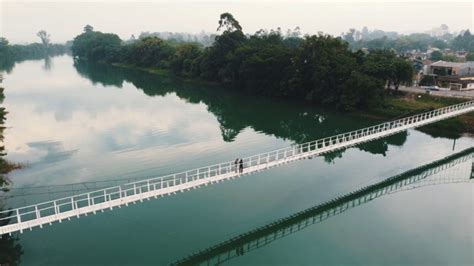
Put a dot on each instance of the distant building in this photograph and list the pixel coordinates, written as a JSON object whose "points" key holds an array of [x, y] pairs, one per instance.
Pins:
{"points": [[453, 75], [415, 55], [451, 68]]}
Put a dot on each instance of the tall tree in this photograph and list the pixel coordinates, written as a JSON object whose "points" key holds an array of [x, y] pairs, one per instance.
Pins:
{"points": [[44, 36], [229, 23], [436, 56], [88, 28]]}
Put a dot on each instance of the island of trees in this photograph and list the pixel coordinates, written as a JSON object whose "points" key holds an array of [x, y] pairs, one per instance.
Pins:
{"points": [[319, 68]]}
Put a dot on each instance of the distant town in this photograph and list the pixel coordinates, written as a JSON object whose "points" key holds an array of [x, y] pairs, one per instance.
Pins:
{"points": [[442, 59]]}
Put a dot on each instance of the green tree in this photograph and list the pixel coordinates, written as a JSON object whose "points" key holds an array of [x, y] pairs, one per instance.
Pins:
{"points": [[4, 48], [361, 91], [450, 58], [44, 36], [379, 64], [148, 52], [96, 46], [402, 73], [470, 57], [321, 66], [218, 61], [264, 64], [184, 59], [228, 22], [440, 44], [349, 36], [436, 56], [464, 41], [88, 28]]}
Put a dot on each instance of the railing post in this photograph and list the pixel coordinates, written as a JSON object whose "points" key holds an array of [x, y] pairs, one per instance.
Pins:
{"points": [[18, 217]]}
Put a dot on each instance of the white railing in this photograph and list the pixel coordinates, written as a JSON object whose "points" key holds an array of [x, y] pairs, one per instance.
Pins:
{"points": [[57, 210], [220, 253]]}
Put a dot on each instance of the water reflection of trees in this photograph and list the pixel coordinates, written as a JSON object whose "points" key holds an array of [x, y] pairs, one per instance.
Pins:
{"points": [[236, 111], [10, 249], [48, 64], [7, 65]]}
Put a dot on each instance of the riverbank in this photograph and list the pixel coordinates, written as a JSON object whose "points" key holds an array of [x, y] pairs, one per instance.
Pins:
{"points": [[407, 103]]}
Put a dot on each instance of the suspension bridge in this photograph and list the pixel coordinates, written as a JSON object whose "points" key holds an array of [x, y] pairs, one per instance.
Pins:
{"points": [[412, 179], [37, 215]]}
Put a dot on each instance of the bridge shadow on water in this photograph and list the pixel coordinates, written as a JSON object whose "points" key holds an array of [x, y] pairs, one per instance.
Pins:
{"points": [[262, 236]]}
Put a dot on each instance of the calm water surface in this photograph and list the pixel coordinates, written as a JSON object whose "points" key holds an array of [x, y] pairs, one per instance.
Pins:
{"points": [[81, 126]]}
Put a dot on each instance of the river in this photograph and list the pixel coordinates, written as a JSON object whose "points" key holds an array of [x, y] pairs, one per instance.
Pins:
{"points": [[79, 126]]}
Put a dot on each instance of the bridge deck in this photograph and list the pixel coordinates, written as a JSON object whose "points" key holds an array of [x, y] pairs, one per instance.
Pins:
{"points": [[57, 210]]}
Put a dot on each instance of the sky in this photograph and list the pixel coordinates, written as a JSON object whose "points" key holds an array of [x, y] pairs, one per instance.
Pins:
{"points": [[20, 20]]}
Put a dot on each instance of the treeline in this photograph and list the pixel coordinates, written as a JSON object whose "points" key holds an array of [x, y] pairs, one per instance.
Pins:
{"points": [[29, 51], [319, 68], [206, 39], [10, 54], [415, 41]]}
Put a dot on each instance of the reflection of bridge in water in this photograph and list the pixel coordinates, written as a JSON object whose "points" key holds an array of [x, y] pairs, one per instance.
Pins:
{"points": [[37, 215], [412, 179]]}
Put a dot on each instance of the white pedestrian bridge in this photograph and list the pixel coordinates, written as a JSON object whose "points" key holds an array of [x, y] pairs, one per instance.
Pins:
{"points": [[456, 168], [28, 217]]}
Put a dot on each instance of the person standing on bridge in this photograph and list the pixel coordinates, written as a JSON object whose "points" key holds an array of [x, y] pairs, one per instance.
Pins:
{"points": [[236, 165], [241, 166]]}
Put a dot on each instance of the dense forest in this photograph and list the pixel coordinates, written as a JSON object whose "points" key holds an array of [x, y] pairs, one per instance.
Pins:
{"points": [[320, 68]]}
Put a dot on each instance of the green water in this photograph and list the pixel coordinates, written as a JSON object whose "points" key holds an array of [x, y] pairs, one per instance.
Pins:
{"points": [[76, 124]]}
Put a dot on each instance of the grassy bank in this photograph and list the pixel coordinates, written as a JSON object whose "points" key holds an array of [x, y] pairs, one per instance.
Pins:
{"points": [[405, 104], [159, 71]]}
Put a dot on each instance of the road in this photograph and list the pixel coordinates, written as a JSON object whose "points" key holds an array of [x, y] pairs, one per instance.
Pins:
{"points": [[454, 94]]}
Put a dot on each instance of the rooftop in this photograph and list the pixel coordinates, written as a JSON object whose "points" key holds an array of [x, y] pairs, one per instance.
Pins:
{"points": [[441, 63]]}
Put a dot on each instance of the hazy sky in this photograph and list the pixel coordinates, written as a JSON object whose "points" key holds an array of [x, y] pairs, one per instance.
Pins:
{"points": [[20, 20]]}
